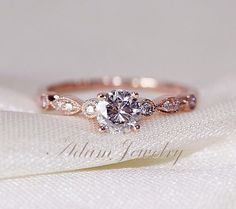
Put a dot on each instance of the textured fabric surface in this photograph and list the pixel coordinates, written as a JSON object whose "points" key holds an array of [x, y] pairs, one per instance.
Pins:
{"points": [[39, 167], [192, 42]]}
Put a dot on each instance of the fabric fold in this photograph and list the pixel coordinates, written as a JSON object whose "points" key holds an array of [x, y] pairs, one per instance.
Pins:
{"points": [[34, 143]]}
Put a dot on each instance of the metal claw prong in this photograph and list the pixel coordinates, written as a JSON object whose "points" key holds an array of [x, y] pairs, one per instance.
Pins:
{"points": [[102, 128], [101, 96], [135, 95], [136, 127]]}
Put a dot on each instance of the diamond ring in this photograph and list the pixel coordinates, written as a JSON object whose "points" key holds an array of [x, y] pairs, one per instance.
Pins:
{"points": [[118, 110]]}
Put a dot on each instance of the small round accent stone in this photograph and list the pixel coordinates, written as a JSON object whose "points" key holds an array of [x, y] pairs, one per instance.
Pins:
{"points": [[67, 106], [192, 100], [147, 107], [189, 102], [89, 108]]}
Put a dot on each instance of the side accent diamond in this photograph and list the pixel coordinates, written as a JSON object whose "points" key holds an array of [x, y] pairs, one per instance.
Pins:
{"points": [[147, 107], [89, 108], [169, 105], [66, 105]]}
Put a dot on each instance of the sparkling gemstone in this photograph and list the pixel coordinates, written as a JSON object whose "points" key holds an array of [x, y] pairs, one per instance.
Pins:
{"points": [[189, 103], [67, 106], [192, 101], [89, 108], [147, 107], [169, 105], [118, 111]]}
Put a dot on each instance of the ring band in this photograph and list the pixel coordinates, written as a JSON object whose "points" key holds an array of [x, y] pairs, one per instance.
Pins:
{"points": [[119, 110]]}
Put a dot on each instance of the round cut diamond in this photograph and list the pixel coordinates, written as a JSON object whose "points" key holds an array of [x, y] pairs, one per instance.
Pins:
{"points": [[89, 108], [118, 111], [147, 107], [189, 102]]}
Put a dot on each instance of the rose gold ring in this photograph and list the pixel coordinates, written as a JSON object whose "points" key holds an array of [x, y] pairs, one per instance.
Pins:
{"points": [[118, 110]]}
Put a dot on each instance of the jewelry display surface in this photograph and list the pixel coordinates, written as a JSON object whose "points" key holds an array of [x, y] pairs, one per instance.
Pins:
{"points": [[55, 158]]}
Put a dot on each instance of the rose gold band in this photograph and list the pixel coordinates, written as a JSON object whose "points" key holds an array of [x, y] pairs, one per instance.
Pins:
{"points": [[175, 90], [118, 82], [178, 97]]}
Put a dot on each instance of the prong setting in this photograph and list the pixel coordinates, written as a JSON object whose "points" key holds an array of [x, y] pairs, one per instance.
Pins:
{"points": [[136, 127], [135, 95], [101, 96], [102, 129]]}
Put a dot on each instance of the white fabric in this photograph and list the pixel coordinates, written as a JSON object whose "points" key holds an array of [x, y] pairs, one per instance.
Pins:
{"points": [[203, 175], [186, 41]]}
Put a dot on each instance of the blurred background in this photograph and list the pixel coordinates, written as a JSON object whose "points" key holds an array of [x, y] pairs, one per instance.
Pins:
{"points": [[46, 41]]}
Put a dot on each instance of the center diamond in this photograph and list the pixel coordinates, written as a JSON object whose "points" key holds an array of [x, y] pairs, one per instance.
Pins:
{"points": [[118, 111]]}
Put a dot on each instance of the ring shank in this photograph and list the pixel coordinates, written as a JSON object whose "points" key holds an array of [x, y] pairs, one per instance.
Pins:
{"points": [[176, 97], [118, 82]]}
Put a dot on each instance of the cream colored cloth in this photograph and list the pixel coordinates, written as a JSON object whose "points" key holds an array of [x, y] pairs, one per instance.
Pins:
{"points": [[190, 42], [203, 176]]}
